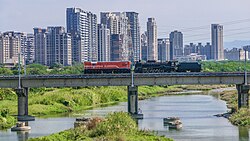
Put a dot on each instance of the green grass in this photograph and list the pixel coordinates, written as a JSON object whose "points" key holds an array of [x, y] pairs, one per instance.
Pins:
{"points": [[117, 126], [242, 116], [51, 101], [6, 121]]}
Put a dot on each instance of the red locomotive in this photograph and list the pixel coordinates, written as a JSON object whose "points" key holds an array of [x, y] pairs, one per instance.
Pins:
{"points": [[107, 67]]}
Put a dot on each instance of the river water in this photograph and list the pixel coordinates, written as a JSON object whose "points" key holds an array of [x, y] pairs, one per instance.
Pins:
{"points": [[195, 111]]}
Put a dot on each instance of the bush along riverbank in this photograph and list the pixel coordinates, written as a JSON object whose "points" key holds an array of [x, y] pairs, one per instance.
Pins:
{"points": [[117, 126], [239, 117], [6, 121]]}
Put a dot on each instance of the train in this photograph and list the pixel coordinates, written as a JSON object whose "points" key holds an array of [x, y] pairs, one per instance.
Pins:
{"points": [[141, 67]]}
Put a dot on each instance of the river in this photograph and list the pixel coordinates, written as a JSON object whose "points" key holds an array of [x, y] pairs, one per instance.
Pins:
{"points": [[195, 111]]}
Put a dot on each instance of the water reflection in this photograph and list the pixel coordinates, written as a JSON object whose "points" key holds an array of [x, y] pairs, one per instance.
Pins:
{"points": [[22, 135], [243, 134]]}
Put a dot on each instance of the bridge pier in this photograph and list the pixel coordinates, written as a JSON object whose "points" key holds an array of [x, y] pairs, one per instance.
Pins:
{"points": [[133, 102], [22, 94], [243, 95]]}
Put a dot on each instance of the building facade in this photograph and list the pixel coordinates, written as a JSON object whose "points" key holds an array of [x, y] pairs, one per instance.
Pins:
{"points": [[206, 50], [82, 26], [176, 44], [10, 47], [26, 46], [30, 49], [103, 43], [40, 46], [235, 54], [117, 52], [217, 49], [152, 39], [118, 23], [58, 46], [134, 27], [144, 47], [163, 50]]}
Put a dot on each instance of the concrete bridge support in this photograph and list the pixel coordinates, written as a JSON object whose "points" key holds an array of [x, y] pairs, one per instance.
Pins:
{"points": [[22, 94], [133, 102], [243, 95]]}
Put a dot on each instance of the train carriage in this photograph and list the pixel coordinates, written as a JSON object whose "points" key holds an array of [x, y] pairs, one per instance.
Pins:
{"points": [[106, 67]]}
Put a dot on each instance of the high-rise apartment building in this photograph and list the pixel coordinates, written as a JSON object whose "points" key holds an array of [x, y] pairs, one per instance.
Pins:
{"points": [[206, 50], [117, 23], [83, 28], [235, 54], [152, 39], [9, 48], [163, 50], [188, 49], [217, 49], [93, 41], [26, 46], [144, 47], [40, 46], [30, 49], [117, 52], [134, 27], [176, 44], [58, 46], [103, 43]]}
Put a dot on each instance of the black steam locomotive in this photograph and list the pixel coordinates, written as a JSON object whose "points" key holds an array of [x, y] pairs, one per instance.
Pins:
{"points": [[170, 66]]}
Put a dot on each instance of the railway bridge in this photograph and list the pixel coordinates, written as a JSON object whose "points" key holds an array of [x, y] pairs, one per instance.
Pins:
{"points": [[131, 80]]}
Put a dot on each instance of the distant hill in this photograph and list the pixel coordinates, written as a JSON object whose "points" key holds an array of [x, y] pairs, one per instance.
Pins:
{"points": [[236, 44]]}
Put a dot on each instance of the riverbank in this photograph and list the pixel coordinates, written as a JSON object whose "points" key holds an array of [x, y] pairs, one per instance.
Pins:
{"points": [[238, 117], [53, 101], [116, 126]]}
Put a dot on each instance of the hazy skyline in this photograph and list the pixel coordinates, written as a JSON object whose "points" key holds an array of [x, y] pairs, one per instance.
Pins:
{"points": [[23, 15]]}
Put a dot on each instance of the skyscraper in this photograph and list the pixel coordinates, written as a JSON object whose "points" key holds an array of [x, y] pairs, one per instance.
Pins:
{"points": [[176, 44], [58, 46], [26, 46], [83, 28], [117, 23], [40, 46], [10, 45], [217, 49], [163, 49], [144, 46], [133, 21], [30, 49], [152, 39], [117, 50], [103, 43]]}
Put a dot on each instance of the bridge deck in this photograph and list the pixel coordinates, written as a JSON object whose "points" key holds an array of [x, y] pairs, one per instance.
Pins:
{"points": [[122, 79]]}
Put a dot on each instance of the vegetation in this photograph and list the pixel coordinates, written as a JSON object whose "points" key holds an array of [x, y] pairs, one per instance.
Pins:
{"points": [[224, 66], [6, 121], [117, 126], [239, 117], [46, 101]]}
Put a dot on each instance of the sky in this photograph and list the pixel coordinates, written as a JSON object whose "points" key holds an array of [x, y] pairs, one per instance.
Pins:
{"points": [[192, 17]]}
